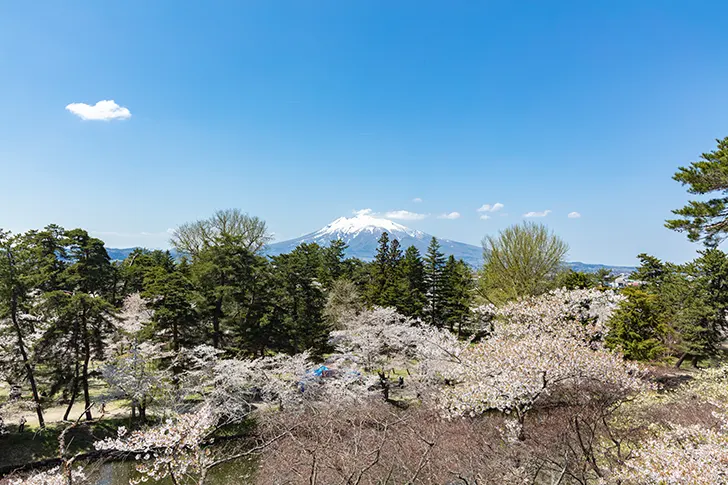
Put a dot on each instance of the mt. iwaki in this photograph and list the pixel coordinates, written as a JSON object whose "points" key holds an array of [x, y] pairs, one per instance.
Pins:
{"points": [[363, 231]]}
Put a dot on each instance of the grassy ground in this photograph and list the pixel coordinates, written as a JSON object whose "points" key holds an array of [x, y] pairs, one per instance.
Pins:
{"points": [[53, 412], [34, 445]]}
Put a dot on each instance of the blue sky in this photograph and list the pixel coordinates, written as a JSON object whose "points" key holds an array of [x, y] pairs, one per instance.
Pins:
{"points": [[301, 112]]}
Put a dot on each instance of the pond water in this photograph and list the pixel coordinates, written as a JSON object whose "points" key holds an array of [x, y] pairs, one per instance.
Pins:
{"points": [[119, 473]]}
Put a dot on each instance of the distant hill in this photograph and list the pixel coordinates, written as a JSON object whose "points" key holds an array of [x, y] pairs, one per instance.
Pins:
{"points": [[362, 234]]}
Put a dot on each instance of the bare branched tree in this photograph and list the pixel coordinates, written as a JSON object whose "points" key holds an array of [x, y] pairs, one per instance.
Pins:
{"points": [[228, 225]]}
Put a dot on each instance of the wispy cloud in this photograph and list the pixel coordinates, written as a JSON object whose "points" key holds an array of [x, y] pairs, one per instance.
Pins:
{"points": [[537, 214], [485, 217], [363, 212], [404, 215], [103, 111], [491, 208], [417, 200], [574, 215], [450, 215]]}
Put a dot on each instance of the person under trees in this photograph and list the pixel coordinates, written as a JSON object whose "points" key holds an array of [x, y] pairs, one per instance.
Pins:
{"points": [[523, 260], [82, 311]]}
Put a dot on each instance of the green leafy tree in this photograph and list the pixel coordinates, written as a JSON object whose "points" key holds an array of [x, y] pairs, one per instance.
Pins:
{"points": [[523, 260], [705, 220]]}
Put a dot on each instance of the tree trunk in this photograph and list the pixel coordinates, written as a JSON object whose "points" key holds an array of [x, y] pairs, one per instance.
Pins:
{"points": [[695, 361], [74, 393], [21, 343], [681, 360], [26, 361], [84, 370], [216, 323]]}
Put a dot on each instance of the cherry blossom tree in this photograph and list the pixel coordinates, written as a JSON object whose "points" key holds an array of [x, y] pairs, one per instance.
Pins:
{"points": [[536, 347], [684, 454]]}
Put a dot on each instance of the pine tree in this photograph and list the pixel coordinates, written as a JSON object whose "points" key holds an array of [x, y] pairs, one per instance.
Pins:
{"points": [[412, 288], [457, 286], [15, 305], [637, 326], [434, 267], [332, 262], [376, 293]]}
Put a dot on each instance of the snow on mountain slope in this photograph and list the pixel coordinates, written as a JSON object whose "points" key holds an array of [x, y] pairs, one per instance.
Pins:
{"points": [[362, 233]]}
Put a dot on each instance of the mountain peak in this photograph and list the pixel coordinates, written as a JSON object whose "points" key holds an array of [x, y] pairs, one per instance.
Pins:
{"points": [[364, 221]]}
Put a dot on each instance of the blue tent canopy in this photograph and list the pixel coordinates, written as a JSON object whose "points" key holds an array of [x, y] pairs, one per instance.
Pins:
{"points": [[320, 371]]}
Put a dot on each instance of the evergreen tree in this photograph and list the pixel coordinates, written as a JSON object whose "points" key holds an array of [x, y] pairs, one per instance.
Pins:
{"points": [[434, 268], [412, 294], [575, 280], [332, 262], [705, 220], [15, 306], [637, 326], [81, 313], [171, 295], [457, 290], [300, 299], [379, 277]]}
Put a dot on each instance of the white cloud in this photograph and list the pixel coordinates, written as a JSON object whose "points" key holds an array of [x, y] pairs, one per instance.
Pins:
{"points": [[451, 215], [363, 212], [417, 200], [485, 217], [491, 208], [103, 110], [574, 215], [404, 215], [537, 214]]}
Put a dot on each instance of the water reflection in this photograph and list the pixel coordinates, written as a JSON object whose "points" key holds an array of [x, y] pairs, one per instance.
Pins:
{"points": [[119, 473]]}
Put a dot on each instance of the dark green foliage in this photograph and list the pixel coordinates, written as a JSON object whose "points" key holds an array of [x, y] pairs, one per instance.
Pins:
{"points": [[636, 328], [300, 299], [412, 290], [434, 284], [705, 220], [171, 296], [385, 274], [690, 301], [575, 280], [457, 289], [333, 264]]}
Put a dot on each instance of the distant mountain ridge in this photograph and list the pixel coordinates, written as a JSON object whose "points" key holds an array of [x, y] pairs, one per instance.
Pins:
{"points": [[362, 232]]}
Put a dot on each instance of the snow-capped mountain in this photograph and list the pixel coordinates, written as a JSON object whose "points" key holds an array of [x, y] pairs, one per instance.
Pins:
{"points": [[362, 233]]}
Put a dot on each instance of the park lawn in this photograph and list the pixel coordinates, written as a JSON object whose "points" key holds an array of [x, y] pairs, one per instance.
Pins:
{"points": [[33, 445]]}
